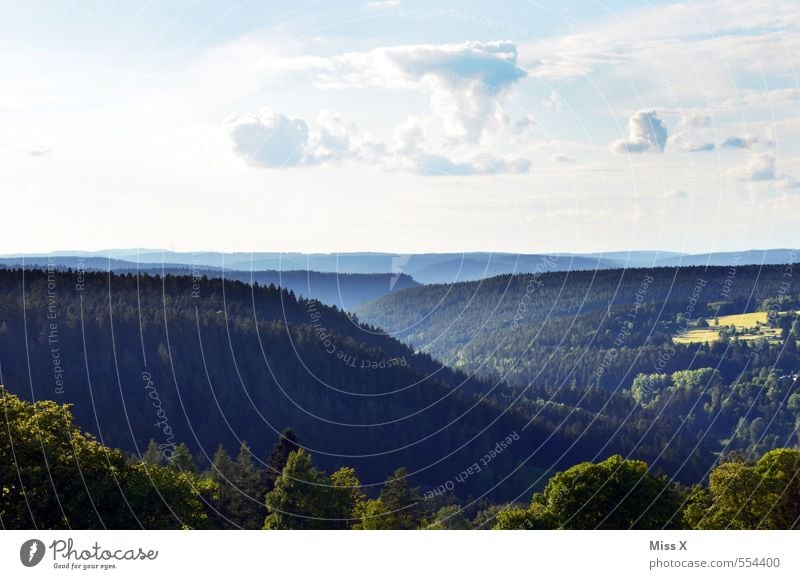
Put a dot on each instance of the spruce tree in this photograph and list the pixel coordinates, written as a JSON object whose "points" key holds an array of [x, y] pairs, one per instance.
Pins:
{"points": [[301, 498], [401, 502], [153, 454], [280, 455], [247, 496], [223, 474], [181, 459]]}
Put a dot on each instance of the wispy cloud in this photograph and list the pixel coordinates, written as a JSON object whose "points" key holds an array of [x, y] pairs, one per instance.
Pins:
{"points": [[441, 166], [383, 4]]}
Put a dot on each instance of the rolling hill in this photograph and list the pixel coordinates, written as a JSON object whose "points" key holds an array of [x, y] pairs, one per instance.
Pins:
{"points": [[343, 290]]}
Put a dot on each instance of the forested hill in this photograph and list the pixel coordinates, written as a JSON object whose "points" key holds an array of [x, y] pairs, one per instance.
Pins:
{"points": [[203, 362], [207, 362], [681, 364], [560, 328], [344, 290], [176, 359]]}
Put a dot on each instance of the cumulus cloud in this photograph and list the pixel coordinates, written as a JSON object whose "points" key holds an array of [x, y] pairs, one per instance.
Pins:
{"points": [[646, 132], [525, 123], [270, 139], [433, 165], [408, 137], [466, 83], [691, 134], [332, 140], [273, 140], [739, 142], [465, 80], [785, 182], [553, 101], [761, 167]]}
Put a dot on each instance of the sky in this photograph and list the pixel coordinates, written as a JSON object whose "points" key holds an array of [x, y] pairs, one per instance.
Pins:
{"points": [[401, 126]]}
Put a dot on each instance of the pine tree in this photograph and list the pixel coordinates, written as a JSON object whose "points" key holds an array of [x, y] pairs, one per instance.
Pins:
{"points": [[247, 496], [401, 502], [280, 455], [153, 454], [181, 459], [301, 498], [223, 474]]}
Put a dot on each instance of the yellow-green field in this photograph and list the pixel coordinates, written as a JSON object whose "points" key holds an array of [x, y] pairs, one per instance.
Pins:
{"points": [[697, 335], [742, 322]]}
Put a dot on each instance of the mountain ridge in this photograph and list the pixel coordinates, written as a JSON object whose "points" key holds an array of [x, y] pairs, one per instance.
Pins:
{"points": [[424, 268]]}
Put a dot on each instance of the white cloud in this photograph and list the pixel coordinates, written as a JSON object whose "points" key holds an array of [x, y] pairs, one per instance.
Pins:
{"points": [[572, 57], [525, 123], [270, 139], [785, 182], [697, 50], [273, 140], [760, 167], [383, 4], [409, 136], [692, 133], [739, 142], [560, 158], [765, 99], [334, 139], [646, 132], [438, 165], [762, 175], [466, 81], [553, 101], [558, 69]]}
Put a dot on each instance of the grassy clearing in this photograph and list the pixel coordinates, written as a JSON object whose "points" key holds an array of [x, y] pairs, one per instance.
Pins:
{"points": [[741, 321], [698, 335], [751, 326]]}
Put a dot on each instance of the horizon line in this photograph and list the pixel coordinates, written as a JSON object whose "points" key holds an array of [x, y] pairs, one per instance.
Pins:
{"points": [[76, 252]]}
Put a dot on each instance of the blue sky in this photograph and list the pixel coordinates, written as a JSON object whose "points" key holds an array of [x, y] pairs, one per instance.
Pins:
{"points": [[400, 126]]}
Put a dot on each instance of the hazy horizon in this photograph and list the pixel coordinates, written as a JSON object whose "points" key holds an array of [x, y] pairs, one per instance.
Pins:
{"points": [[72, 251]]}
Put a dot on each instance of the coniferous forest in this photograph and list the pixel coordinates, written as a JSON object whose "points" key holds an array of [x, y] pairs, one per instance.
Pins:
{"points": [[535, 401]]}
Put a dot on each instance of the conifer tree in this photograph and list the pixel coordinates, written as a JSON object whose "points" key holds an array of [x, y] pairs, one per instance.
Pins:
{"points": [[280, 455]]}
